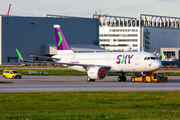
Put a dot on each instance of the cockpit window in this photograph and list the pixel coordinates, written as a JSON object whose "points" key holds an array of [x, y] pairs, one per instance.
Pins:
{"points": [[153, 58], [150, 58]]}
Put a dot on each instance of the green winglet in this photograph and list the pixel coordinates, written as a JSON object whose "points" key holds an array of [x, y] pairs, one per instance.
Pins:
{"points": [[162, 55], [19, 55]]}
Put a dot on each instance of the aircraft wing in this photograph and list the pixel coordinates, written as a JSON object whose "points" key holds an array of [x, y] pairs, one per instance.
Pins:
{"points": [[69, 64], [62, 63], [45, 57]]}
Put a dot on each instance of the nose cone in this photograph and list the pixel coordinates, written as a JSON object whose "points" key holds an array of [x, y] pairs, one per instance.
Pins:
{"points": [[157, 65]]}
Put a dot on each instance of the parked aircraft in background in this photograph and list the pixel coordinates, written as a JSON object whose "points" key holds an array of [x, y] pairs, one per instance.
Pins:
{"points": [[170, 61], [97, 65]]}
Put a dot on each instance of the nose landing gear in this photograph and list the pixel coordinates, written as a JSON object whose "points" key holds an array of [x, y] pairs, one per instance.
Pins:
{"points": [[122, 78]]}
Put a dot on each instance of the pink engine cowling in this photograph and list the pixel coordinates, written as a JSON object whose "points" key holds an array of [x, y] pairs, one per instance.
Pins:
{"points": [[97, 73]]}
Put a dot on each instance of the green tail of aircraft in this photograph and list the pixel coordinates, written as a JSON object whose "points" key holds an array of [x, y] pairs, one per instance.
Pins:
{"points": [[162, 55]]}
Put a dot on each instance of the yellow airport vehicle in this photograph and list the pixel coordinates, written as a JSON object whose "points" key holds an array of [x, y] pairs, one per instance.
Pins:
{"points": [[151, 77], [11, 74]]}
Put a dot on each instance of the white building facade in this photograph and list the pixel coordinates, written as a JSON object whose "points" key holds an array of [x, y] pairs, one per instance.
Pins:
{"points": [[118, 33], [148, 33], [119, 38]]}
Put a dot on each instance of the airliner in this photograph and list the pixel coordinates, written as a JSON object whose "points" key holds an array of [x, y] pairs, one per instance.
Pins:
{"points": [[98, 64]]}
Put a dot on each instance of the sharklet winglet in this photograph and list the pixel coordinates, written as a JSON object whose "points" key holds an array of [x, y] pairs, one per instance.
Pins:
{"points": [[19, 55]]}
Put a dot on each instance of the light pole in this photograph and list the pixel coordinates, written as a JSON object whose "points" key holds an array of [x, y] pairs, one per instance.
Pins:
{"points": [[142, 40], [177, 41]]}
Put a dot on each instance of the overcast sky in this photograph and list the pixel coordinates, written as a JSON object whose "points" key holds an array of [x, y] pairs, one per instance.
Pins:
{"points": [[84, 8]]}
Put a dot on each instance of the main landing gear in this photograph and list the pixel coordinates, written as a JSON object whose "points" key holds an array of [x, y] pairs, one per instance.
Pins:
{"points": [[122, 78], [90, 80]]}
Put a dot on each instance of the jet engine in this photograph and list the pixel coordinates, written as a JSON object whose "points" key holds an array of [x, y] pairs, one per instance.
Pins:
{"points": [[97, 72]]}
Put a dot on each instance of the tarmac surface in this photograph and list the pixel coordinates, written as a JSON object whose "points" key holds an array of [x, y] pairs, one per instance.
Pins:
{"points": [[31, 83]]}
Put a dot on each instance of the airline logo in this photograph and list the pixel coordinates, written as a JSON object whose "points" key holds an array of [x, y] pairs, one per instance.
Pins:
{"points": [[124, 59], [60, 38]]}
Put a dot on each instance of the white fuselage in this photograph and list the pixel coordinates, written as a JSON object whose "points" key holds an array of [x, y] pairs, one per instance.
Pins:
{"points": [[118, 61]]}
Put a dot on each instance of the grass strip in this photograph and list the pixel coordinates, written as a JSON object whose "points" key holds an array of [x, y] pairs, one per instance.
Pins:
{"points": [[90, 105], [32, 66], [5, 82], [60, 72], [66, 72]]}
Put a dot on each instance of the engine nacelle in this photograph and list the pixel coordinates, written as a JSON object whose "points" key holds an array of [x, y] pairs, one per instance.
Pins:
{"points": [[97, 73]]}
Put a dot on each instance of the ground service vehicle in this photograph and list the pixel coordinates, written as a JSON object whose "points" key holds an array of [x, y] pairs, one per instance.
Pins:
{"points": [[151, 77], [11, 74]]}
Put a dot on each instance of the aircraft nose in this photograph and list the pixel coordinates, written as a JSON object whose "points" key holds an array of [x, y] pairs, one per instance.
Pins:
{"points": [[157, 65]]}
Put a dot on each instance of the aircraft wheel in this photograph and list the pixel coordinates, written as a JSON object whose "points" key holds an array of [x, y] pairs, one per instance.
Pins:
{"points": [[88, 79], [132, 79], [123, 78], [93, 80], [144, 79], [120, 79]]}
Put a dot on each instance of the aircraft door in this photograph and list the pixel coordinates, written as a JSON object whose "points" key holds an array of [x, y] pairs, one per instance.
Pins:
{"points": [[137, 59]]}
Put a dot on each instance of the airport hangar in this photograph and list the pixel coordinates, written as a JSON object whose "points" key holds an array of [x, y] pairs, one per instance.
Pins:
{"points": [[148, 33], [35, 36]]}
